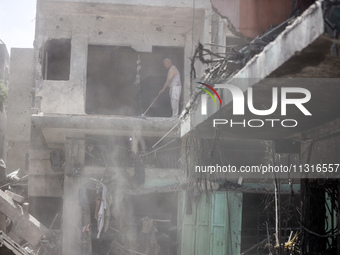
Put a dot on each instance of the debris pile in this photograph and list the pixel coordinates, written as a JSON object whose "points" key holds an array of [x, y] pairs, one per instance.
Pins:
{"points": [[17, 226]]}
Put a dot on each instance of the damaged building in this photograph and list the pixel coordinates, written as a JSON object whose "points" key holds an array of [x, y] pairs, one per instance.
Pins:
{"points": [[109, 172], [93, 171]]}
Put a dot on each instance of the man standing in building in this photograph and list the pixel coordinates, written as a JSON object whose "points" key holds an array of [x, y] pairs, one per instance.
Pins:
{"points": [[173, 81]]}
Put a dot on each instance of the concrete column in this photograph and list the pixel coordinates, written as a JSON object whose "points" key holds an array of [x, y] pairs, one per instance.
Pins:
{"points": [[79, 46], [78, 65], [188, 53], [204, 38], [202, 33], [206, 33], [221, 36], [190, 45], [19, 107], [73, 218]]}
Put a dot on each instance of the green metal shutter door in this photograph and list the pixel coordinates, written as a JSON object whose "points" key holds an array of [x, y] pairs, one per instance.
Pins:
{"points": [[234, 222], [202, 227], [213, 229], [188, 229], [218, 227], [226, 223], [195, 231]]}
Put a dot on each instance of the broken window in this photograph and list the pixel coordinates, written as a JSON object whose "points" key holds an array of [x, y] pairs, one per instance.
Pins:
{"points": [[56, 60], [122, 81]]}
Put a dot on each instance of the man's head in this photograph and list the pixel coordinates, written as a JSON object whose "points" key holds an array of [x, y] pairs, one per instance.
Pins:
{"points": [[167, 63]]}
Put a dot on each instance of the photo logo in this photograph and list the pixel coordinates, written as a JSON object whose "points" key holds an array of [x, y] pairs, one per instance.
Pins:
{"points": [[239, 102], [204, 96]]}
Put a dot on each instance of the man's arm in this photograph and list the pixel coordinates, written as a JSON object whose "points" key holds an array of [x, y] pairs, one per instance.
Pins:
{"points": [[172, 73]]}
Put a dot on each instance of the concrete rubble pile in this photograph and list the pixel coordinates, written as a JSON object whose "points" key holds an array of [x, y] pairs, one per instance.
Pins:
{"points": [[20, 232]]}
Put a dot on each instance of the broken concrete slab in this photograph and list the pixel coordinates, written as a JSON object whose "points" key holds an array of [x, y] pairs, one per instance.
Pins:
{"points": [[25, 226]]}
